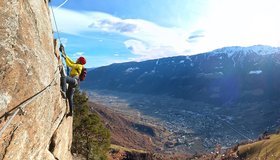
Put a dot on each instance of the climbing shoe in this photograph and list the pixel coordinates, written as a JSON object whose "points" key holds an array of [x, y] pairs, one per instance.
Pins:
{"points": [[70, 114]]}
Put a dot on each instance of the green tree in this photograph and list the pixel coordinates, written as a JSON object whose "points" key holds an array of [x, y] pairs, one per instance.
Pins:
{"points": [[90, 137]]}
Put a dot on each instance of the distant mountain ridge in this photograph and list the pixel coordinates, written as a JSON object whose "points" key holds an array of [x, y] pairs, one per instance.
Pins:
{"points": [[226, 75], [258, 49]]}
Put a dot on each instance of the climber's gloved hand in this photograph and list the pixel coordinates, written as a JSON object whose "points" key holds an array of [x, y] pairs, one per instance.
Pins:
{"points": [[61, 49], [63, 54]]}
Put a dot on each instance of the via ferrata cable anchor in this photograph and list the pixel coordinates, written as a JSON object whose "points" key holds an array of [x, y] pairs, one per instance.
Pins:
{"points": [[22, 111]]}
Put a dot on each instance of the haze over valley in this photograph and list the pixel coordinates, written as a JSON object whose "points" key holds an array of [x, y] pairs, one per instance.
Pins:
{"points": [[222, 97]]}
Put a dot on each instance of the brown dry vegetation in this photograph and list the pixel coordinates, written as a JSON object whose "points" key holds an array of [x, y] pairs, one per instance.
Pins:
{"points": [[266, 149], [130, 143], [123, 132]]}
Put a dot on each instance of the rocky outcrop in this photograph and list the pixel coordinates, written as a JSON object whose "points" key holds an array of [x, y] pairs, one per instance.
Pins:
{"points": [[27, 65]]}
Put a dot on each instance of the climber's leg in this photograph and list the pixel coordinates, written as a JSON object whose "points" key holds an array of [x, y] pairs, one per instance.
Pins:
{"points": [[70, 91], [70, 98], [63, 85]]}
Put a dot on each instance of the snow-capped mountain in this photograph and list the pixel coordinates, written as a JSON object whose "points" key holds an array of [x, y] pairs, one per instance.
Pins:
{"points": [[257, 49], [221, 76]]}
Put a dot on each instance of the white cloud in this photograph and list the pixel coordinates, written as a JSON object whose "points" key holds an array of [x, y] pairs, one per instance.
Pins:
{"points": [[240, 23], [77, 54], [152, 50], [225, 23], [71, 22], [148, 39], [64, 41], [143, 31]]}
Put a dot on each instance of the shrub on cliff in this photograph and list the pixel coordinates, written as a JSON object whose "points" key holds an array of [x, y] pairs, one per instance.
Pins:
{"points": [[90, 138]]}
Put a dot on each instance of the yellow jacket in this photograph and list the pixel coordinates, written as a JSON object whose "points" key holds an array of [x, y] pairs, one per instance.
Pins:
{"points": [[76, 68]]}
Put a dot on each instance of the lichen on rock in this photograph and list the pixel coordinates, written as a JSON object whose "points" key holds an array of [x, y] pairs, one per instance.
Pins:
{"points": [[5, 99]]}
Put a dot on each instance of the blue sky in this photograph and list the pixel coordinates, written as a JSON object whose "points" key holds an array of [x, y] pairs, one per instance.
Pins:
{"points": [[114, 31]]}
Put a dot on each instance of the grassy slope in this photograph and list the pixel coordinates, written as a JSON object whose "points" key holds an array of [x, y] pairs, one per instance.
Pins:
{"points": [[265, 149], [116, 147], [123, 153]]}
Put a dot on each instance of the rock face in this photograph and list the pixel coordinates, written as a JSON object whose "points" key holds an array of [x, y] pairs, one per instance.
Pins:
{"points": [[27, 65]]}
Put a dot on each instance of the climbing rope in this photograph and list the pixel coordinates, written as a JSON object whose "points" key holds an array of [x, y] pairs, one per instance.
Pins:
{"points": [[23, 105], [57, 31], [61, 4]]}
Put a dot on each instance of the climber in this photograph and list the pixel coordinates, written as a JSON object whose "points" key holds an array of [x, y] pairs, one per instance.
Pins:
{"points": [[73, 80]]}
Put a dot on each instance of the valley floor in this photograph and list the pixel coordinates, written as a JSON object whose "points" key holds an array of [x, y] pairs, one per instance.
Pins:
{"points": [[191, 127]]}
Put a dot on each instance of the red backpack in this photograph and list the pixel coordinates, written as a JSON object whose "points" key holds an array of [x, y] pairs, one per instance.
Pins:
{"points": [[83, 74]]}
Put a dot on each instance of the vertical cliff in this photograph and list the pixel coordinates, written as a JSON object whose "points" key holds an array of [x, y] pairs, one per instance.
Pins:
{"points": [[27, 65]]}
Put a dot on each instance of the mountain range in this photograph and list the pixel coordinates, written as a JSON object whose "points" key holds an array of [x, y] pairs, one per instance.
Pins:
{"points": [[224, 96], [223, 76]]}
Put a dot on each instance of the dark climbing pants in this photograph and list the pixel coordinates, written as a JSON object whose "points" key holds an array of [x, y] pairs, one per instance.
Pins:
{"points": [[72, 83]]}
